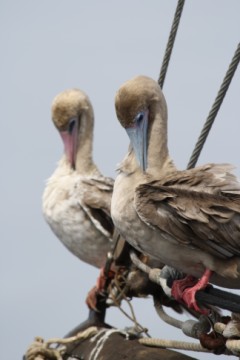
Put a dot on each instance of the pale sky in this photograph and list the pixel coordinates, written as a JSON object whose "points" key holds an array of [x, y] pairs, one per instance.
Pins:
{"points": [[50, 45]]}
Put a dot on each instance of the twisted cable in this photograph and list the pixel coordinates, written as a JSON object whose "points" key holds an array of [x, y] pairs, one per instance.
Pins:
{"points": [[216, 106], [173, 344], [171, 39]]}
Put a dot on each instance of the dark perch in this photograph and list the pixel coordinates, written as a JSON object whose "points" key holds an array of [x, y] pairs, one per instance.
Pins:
{"points": [[116, 346]]}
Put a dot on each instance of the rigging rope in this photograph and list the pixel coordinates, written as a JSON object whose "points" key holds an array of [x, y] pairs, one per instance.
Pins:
{"points": [[216, 106], [40, 349], [191, 328], [173, 344], [171, 39], [117, 302]]}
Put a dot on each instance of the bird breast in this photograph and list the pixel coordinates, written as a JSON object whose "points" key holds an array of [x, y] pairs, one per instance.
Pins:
{"points": [[63, 210], [123, 212]]}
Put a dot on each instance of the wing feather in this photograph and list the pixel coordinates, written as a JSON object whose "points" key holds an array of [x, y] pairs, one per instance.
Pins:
{"points": [[96, 202], [199, 207]]}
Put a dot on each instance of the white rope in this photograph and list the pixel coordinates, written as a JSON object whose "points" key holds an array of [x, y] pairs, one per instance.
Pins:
{"points": [[100, 342], [41, 350], [154, 274], [230, 330], [219, 327], [173, 344], [233, 346]]}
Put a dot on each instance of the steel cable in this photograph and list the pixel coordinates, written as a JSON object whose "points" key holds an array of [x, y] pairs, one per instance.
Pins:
{"points": [[170, 43], [216, 106]]}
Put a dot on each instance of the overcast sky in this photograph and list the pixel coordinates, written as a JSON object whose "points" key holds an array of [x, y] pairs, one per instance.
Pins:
{"points": [[48, 46]]}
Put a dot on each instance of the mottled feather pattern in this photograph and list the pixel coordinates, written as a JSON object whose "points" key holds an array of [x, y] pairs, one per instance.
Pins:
{"points": [[194, 208], [210, 177], [103, 183]]}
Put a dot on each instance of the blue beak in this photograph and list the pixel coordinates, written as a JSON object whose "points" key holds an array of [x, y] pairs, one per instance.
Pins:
{"points": [[138, 138]]}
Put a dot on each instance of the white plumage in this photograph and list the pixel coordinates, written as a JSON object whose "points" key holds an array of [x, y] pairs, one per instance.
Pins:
{"points": [[76, 199]]}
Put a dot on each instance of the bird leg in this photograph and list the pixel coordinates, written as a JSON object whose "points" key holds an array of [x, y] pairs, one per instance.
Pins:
{"points": [[184, 290], [100, 287]]}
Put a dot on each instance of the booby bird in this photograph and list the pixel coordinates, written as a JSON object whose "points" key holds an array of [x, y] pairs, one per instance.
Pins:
{"points": [[188, 219], [77, 197]]}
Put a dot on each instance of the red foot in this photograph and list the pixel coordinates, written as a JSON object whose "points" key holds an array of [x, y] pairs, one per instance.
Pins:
{"points": [[184, 290], [179, 286], [91, 299], [99, 288]]}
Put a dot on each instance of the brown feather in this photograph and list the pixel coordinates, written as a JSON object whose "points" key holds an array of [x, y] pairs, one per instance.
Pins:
{"points": [[187, 219]]}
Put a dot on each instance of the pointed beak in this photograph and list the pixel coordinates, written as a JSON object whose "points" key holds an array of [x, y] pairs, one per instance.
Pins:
{"points": [[70, 144], [138, 138]]}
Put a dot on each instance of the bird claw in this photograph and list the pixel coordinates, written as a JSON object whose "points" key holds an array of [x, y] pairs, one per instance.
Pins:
{"points": [[99, 289], [179, 286], [91, 299], [188, 297], [184, 291]]}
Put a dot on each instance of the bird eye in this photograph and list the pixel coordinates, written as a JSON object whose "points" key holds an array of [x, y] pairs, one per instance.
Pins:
{"points": [[71, 125], [139, 117]]}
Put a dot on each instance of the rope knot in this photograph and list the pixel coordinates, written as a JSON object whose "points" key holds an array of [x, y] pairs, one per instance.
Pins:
{"points": [[41, 350]]}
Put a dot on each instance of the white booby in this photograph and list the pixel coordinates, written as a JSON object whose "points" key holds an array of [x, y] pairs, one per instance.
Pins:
{"points": [[187, 219]]}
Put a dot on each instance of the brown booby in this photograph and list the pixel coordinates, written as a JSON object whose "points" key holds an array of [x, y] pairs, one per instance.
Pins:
{"points": [[188, 219]]}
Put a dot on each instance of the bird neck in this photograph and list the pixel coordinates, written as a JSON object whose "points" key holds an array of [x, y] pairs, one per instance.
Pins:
{"points": [[158, 155], [84, 161]]}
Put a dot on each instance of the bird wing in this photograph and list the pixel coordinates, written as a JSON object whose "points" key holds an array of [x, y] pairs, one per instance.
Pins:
{"points": [[199, 207], [96, 202]]}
